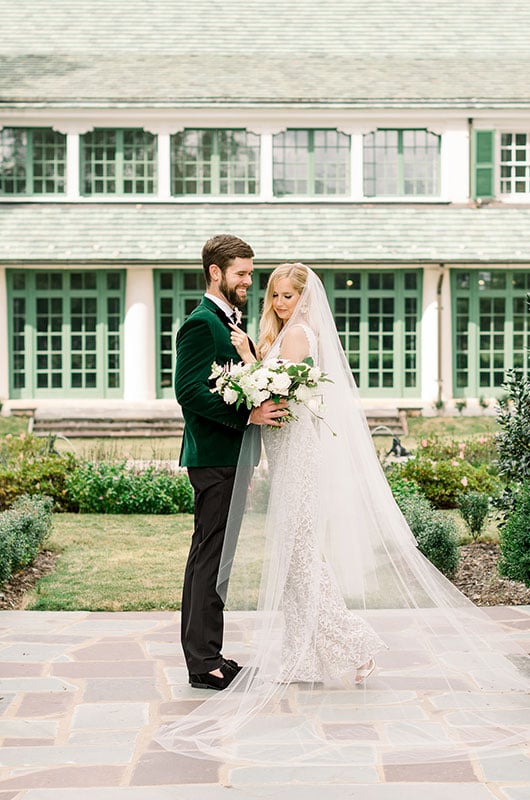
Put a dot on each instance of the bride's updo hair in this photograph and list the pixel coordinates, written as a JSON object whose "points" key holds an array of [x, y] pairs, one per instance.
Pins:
{"points": [[270, 325]]}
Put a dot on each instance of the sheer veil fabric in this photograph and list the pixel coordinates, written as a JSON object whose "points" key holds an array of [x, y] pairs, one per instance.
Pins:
{"points": [[320, 573]]}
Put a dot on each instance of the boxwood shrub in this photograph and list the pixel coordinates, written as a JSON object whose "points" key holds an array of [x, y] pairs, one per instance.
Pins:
{"points": [[23, 529]]}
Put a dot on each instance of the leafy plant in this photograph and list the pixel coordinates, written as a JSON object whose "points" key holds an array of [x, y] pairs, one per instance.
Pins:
{"points": [[29, 464], [513, 416], [460, 405], [115, 488], [434, 531], [515, 540], [474, 508], [23, 529], [476, 451], [443, 481]]}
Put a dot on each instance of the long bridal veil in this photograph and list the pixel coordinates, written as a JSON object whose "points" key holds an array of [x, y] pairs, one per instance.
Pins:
{"points": [[450, 682]]}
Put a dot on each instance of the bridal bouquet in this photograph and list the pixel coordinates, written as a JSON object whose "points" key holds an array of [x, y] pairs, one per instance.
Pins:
{"points": [[276, 380]]}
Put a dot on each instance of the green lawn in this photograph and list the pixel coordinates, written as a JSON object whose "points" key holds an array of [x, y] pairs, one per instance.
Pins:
{"points": [[115, 563], [136, 562]]}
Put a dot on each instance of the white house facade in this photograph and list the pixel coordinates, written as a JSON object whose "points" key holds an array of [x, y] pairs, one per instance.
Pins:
{"points": [[387, 146]]}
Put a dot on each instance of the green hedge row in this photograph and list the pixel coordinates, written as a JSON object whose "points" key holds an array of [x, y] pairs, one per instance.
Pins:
{"points": [[23, 529], [29, 464]]}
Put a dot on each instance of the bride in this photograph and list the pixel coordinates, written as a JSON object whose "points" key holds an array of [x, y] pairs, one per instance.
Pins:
{"points": [[324, 559]]}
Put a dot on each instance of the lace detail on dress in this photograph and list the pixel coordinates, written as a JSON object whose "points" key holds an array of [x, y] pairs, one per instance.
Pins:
{"points": [[322, 637]]}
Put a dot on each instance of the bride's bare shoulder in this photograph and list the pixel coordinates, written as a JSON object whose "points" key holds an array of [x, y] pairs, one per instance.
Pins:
{"points": [[295, 343]]}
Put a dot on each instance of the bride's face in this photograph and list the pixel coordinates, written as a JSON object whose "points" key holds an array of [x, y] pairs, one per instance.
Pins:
{"points": [[284, 299]]}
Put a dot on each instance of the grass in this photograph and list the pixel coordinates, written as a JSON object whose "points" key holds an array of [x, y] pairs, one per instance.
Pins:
{"points": [[115, 563], [136, 562]]}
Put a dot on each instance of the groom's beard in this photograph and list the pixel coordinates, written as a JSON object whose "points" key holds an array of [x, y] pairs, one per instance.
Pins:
{"points": [[231, 295]]}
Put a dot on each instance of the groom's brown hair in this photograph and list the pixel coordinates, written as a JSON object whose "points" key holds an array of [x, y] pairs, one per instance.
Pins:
{"points": [[221, 250]]}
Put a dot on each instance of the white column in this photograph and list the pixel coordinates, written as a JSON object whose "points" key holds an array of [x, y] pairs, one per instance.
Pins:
{"points": [[164, 167], [429, 335], [139, 337], [72, 166], [454, 165], [4, 351], [266, 173], [447, 338], [356, 166]]}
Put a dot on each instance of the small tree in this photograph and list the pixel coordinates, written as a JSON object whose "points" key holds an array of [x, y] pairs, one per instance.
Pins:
{"points": [[474, 508], [513, 442], [515, 540]]}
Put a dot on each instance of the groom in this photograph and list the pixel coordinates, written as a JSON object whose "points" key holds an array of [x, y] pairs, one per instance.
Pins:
{"points": [[213, 432]]}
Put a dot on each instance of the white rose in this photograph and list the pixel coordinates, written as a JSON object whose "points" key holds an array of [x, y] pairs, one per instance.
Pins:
{"points": [[303, 393], [230, 396], [280, 383], [314, 374], [257, 397], [261, 378]]}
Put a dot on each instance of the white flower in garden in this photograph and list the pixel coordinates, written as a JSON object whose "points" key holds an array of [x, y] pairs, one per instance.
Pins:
{"points": [[230, 396]]}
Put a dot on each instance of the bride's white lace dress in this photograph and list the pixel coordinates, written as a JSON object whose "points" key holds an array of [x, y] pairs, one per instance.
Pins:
{"points": [[322, 638]]}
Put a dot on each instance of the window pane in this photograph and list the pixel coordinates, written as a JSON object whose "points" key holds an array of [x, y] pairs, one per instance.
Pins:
{"points": [[401, 162], [515, 163], [215, 162], [311, 162]]}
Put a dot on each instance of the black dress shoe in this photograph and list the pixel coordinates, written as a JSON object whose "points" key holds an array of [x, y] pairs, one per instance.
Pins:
{"points": [[206, 680], [233, 665]]}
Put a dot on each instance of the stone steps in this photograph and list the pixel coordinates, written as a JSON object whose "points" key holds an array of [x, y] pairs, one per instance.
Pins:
{"points": [[85, 424]]}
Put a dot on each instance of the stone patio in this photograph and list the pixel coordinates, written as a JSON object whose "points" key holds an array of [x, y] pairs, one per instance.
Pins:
{"points": [[82, 695]]}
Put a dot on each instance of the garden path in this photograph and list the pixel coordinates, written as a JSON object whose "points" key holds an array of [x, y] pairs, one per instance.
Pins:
{"points": [[82, 694]]}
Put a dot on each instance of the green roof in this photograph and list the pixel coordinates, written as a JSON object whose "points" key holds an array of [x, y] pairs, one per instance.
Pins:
{"points": [[316, 233], [345, 52]]}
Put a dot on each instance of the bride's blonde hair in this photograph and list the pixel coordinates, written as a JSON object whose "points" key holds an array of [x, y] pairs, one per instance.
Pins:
{"points": [[270, 325]]}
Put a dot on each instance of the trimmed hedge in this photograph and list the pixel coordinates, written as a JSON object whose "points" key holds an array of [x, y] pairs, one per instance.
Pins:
{"points": [[29, 464], [515, 540], [23, 529], [435, 532], [115, 488]]}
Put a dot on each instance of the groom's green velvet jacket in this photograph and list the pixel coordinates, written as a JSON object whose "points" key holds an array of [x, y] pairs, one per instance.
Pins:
{"points": [[213, 430]]}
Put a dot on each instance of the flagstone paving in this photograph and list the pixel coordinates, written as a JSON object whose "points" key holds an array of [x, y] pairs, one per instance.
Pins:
{"points": [[82, 695]]}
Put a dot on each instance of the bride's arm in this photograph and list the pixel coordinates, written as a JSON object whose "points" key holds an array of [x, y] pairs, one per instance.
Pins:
{"points": [[295, 345], [241, 342]]}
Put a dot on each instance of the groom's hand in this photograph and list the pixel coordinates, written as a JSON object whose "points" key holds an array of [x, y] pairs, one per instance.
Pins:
{"points": [[268, 413]]}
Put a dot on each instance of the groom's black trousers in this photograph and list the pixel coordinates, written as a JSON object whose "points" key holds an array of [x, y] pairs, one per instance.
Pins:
{"points": [[202, 608]]}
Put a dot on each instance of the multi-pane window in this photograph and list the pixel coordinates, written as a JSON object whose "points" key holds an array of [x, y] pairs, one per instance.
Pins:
{"points": [[215, 162], [32, 161], [177, 294], [401, 163], [118, 161], [515, 163], [377, 314], [311, 162], [66, 332], [492, 328]]}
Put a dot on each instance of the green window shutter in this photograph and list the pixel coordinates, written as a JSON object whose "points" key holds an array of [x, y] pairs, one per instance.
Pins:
{"points": [[484, 164]]}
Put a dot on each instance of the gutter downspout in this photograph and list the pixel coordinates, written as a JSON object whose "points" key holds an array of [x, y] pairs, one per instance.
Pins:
{"points": [[439, 379]]}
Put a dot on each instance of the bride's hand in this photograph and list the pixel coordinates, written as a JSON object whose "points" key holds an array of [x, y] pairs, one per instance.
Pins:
{"points": [[241, 342]]}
